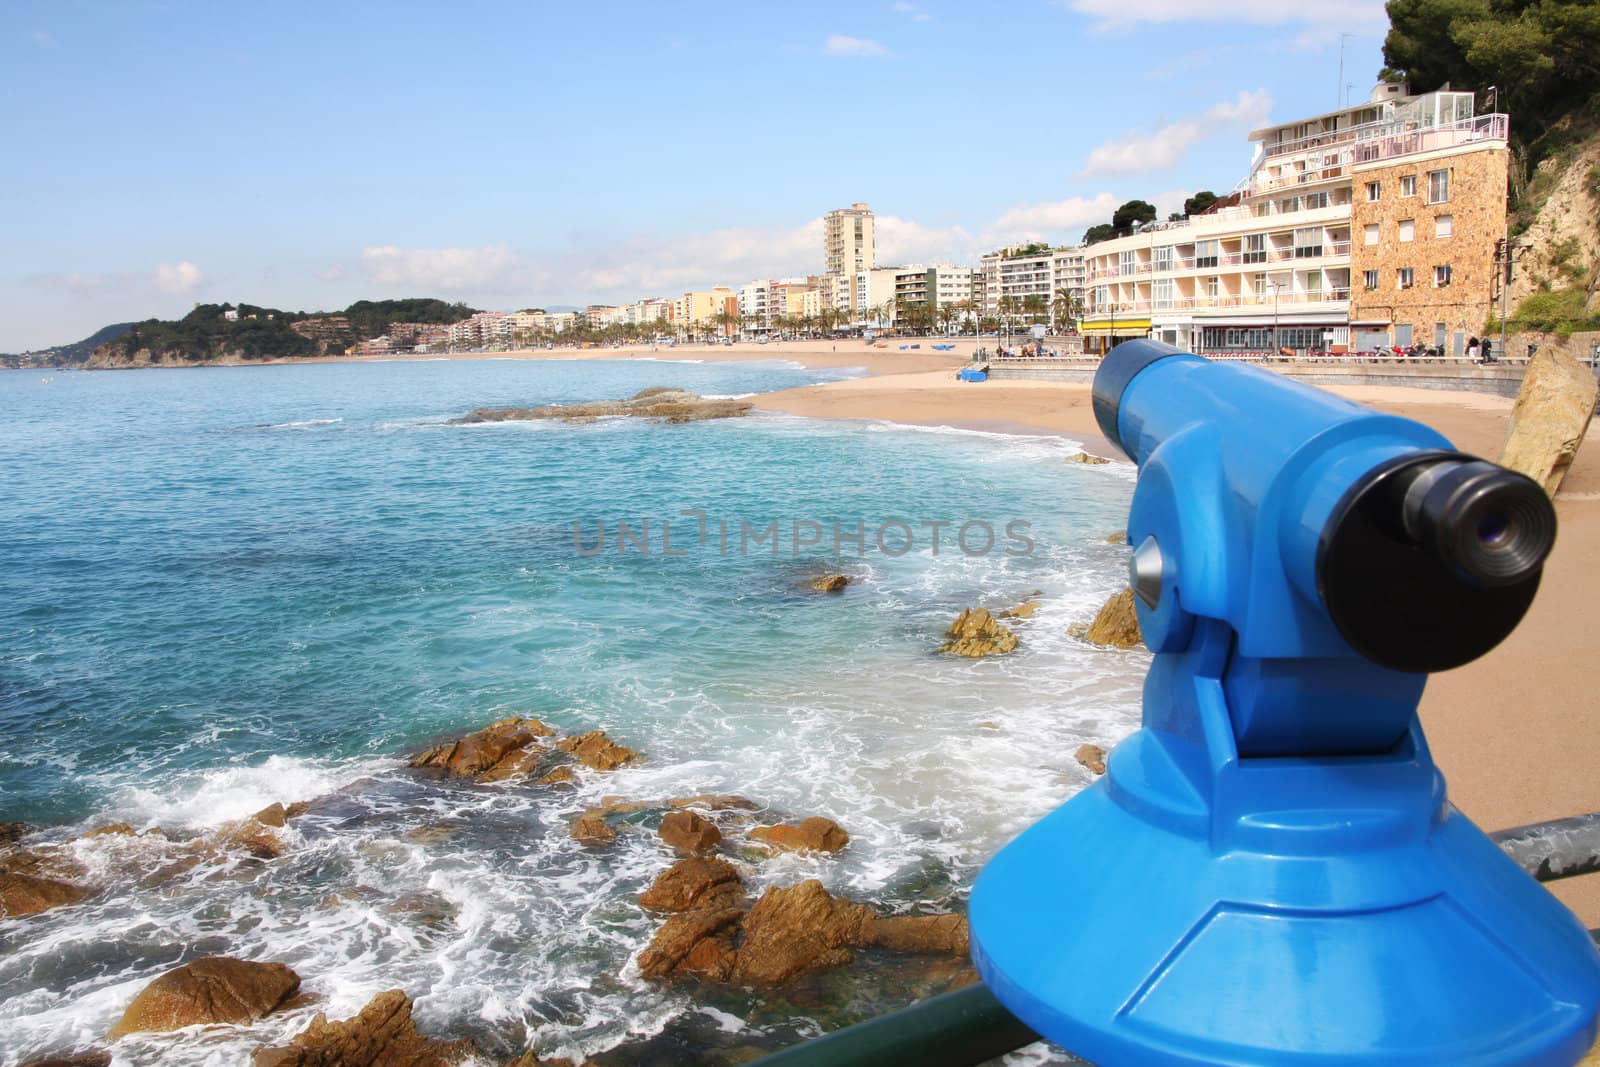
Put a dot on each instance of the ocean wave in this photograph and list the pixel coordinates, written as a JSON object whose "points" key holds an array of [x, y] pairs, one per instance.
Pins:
{"points": [[303, 424]]}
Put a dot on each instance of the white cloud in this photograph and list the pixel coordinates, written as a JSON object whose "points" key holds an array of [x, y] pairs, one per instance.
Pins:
{"points": [[903, 8], [183, 277], [1052, 219], [1125, 14], [840, 45], [1160, 149], [426, 269]]}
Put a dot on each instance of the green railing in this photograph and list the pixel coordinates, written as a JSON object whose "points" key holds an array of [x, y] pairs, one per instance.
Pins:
{"points": [[969, 1026]]}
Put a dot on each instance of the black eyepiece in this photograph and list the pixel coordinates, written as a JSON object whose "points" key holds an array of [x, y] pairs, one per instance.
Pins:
{"points": [[1489, 525], [1430, 560]]}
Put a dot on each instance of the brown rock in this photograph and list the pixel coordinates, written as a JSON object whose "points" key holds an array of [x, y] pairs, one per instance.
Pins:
{"points": [[297, 809], [215, 989], [1092, 757], [272, 815], [695, 884], [1117, 625], [518, 764], [595, 749], [561, 776], [715, 802], [1084, 457], [12, 832], [1552, 413], [259, 839], [667, 404], [815, 834], [689, 832], [29, 894], [830, 583], [919, 933], [110, 829], [1024, 610], [1118, 538], [382, 1035], [96, 1058], [591, 828], [477, 754], [975, 633], [698, 942], [797, 928]]}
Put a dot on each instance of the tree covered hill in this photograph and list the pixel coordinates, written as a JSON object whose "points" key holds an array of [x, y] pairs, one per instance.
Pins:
{"points": [[227, 332]]}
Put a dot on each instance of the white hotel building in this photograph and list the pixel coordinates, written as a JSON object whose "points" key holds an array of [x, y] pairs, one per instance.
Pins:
{"points": [[1274, 267]]}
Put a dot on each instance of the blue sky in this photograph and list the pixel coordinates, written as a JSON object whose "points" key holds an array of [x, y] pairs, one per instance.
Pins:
{"points": [[525, 154]]}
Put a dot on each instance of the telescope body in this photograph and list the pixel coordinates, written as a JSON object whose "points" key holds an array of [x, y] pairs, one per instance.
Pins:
{"points": [[1269, 873]]}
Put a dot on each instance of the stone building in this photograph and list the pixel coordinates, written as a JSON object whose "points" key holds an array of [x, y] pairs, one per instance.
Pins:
{"points": [[1425, 228]]}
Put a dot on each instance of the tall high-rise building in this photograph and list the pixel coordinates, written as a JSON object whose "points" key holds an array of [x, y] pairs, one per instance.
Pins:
{"points": [[847, 240]]}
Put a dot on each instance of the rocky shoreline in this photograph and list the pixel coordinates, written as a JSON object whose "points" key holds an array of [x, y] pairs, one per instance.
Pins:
{"points": [[663, 403], [709, 933]]}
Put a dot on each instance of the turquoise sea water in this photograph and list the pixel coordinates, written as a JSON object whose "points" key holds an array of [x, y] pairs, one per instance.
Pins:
{"points": [[229, 587]]}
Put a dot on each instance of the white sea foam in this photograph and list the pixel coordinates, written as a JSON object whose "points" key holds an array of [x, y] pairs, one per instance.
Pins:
{"points": [[303, 424]]}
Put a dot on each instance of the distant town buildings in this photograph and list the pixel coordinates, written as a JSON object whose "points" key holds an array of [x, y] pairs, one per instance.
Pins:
{"points": [[848, 240]]}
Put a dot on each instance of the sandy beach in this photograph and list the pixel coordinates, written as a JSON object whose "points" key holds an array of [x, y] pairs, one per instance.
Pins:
{"points": [[1516, 733]]}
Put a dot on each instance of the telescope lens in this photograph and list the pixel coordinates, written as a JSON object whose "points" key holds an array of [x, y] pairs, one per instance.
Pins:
{"points": [[1489, 525], [1492, 528]]}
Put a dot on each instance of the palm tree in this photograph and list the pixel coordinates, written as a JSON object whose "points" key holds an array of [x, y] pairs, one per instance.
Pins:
{"points": [[725, 321]]}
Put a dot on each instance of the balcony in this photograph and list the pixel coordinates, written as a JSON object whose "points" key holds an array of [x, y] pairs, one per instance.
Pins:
{"points": [[1221, 301]]}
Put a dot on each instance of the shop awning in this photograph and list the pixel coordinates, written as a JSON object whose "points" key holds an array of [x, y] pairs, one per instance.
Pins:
{"points": [[1116, 327]]}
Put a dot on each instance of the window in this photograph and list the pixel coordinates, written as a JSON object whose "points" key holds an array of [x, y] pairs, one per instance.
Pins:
{"points": [[1260, 283], [1308, 242], [1161, 293], [1444, 226], [1205, 253], [1441, 276], [1374, 192], [1315, 200], [1164, 258], [1255, 248], [1289, 203], [1371, 279], [1408, 185], [1408, 229], [1438, 186], [1213, 287], [1127, 262], [1405, 277], [1313, 283], [1372, 233], [1102, 296]]}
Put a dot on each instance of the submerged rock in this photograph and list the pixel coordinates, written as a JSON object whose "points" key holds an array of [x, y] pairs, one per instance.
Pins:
{"points": [[1084, 457], [689, 832], [29, 894], [695, 884], [561, 776], [92, 1058], [1118, 538], [1116, 626], [1093, 757], [215, 989], [975, 633], [815, 834], [1023, 610], [591, 828], [382, 1035], [667, 404], [595, 749], [715, 802], [830, 583]]}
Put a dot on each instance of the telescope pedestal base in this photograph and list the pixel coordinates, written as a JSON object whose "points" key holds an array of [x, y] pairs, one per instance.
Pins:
{"points": [[1130, 942]]}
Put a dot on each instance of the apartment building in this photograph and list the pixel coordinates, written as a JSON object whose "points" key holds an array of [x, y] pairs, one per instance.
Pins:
{"points": [[937, 287], [697, 312], [848, 240], [483, 328], [1031, 276], [1374, 224], [753, 310]]}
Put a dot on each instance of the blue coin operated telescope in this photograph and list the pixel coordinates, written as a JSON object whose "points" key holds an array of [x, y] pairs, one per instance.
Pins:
{"points": [[1269, 872]]}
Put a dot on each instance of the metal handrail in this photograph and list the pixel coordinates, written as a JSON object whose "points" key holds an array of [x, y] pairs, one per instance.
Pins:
{"points": [[969, 1026]]}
